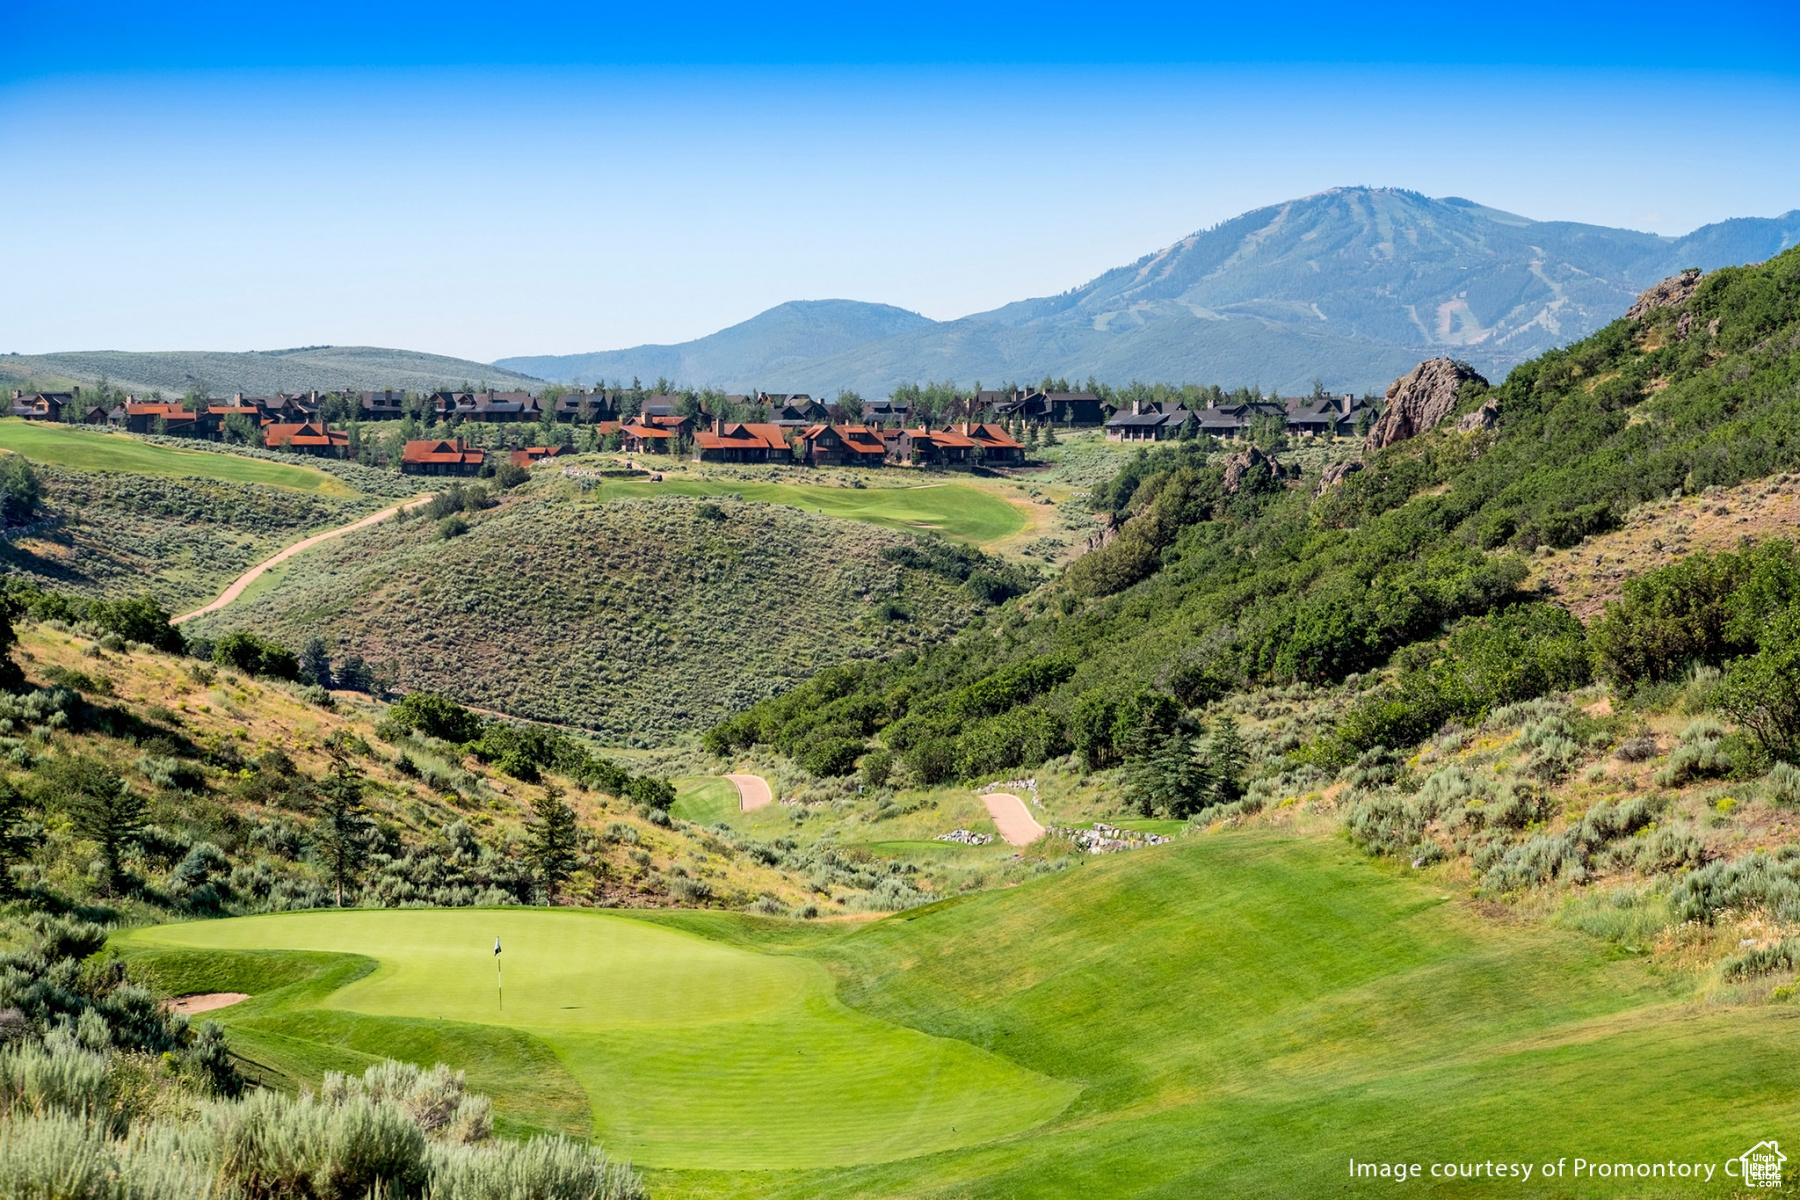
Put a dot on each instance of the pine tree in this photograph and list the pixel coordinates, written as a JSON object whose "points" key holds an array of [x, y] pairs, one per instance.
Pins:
{"points": [[315, 663], [551, 838], [102, 807], [1050, 434], [1226, 759], [344, 830]]}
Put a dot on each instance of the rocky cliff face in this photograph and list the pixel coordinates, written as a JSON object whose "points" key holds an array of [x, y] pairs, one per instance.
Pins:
{"points": [[1419, 400], [1667, 294], [1241, 463], [1485, 417], [1334, 474]]}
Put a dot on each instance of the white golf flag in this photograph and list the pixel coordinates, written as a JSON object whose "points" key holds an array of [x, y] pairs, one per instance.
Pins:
{"points": [[496, 945]]}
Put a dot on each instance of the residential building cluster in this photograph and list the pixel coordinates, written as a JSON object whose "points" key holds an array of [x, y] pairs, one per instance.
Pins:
{"points": [[796, 428]]}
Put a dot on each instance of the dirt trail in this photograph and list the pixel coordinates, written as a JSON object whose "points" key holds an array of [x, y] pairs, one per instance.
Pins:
{"points": [[753, 791], [206, 1002], [1017, 826], [254, 573]]}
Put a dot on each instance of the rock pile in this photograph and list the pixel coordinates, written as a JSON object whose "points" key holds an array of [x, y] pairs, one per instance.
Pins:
{"points": [[1419, 400]]}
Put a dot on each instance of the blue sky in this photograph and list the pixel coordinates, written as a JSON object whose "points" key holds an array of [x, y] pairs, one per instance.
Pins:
{"points": [[490, 180]]}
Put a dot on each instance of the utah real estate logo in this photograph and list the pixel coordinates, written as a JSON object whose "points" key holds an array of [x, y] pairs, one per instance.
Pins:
{"points": [[1759, 1166]]}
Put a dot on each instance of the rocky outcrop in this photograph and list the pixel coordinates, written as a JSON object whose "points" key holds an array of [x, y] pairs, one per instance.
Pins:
{"points": [[1240, 464], [1419, 400], [1676, 289], [1485, 417], [1109, 529], [1334, 474]]}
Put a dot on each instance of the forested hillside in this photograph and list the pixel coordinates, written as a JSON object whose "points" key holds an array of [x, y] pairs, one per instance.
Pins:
{"points": [[1208, 589]]}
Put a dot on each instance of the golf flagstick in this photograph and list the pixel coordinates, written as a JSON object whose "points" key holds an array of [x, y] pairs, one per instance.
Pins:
{"points": [[499, 984]]}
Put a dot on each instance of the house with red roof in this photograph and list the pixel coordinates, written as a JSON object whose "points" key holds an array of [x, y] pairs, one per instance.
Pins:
{"points": [[309, 437], [640, 436], [994, 445], [843, 446], [136, 417], [738, 442], [930, 447], [531, 456], [441, 457]]}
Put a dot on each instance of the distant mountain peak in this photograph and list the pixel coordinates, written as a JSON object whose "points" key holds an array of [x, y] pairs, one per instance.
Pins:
{"points": [[1351, 285]]}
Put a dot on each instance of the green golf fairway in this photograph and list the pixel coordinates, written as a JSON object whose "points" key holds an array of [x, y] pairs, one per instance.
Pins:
{"points": [[692, 1053], [87, 450], [960, 512]]}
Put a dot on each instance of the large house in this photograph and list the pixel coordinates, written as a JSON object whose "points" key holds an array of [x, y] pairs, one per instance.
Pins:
{"points": [[587, 406], [640, 436], [795, 411], [488, 407], [1060, 408], [886, 412], [307, 438], [381, 406], [843, 446], [995, 445], [135, 417], [441, 458], [1327, 416], [43, 406], [930, 447], [735, 442]]}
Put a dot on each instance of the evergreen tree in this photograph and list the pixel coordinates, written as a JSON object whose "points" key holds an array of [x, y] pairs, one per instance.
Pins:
{"points": [[344, 830], [1050, 434], [1031, 435], [1226, 759], [552, 836], [102, 807], [315, 663]]}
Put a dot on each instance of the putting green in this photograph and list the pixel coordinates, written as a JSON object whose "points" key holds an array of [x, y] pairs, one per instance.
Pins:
{"points": [[692, 1053], [90, 450], [956, 510]]}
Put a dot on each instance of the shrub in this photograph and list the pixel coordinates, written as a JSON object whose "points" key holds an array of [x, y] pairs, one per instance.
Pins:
{"points": [[1782, 785], [435, 716], [21, 493], [452, 527], [655, 794], [140, 619], [254, 655], [830, 756], [1755, 881], [877, 765], [1702, 753]]}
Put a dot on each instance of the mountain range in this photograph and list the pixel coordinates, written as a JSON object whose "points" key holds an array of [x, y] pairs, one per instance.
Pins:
{"points": [[1352, 286]]}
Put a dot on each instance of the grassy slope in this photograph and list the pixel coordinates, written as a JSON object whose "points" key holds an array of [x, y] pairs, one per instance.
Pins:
{"points": [[690, 1050], [326, 368], [180, 521], [1248, 1013], [1241, 1013], [957, 511], [639, 617], [83, 450]]}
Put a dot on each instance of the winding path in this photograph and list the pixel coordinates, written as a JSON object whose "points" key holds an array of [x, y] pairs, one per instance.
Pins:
{"points": [[753, 791], [254, 573], [1017, 826]]}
